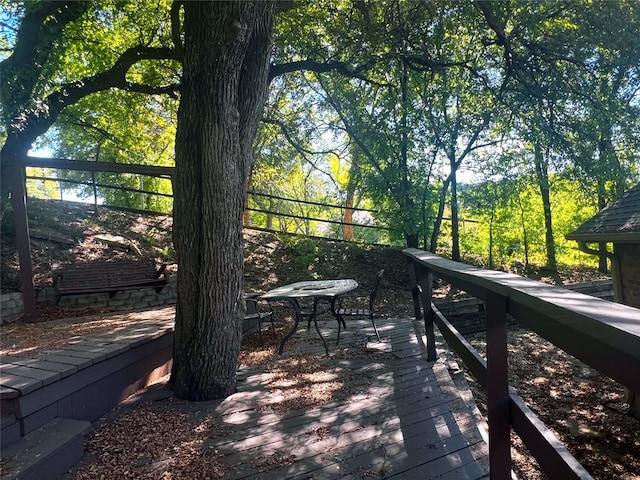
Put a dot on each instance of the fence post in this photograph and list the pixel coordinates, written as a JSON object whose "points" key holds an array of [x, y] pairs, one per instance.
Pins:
{"points": [[17, 179], [498, 388]]}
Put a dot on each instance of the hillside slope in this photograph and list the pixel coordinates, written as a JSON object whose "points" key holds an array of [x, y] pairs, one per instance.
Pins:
{"points": [[73, 232]]}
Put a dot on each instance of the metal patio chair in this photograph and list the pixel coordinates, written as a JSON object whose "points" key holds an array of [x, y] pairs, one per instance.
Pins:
{"points": [[254, 312], [343, 310]]}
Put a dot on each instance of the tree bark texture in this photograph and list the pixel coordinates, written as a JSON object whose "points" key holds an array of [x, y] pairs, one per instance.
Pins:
{"points": [[226, 64]]}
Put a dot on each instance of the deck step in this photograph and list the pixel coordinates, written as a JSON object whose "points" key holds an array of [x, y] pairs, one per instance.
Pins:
{"points": [[10, 430], [47, 452]]}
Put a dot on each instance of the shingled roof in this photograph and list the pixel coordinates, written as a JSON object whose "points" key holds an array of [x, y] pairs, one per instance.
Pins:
{"points": [[619, 222]]}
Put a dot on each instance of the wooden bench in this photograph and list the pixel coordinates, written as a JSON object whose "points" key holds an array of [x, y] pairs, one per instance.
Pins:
{"points": [[107, 277]]}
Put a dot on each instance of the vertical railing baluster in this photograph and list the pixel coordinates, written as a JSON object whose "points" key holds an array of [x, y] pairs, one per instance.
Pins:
{"points": [[427, 291], [498, 387], [415, 289]]}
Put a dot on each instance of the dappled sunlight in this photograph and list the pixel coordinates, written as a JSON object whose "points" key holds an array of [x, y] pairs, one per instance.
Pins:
{"points": [[301, 382], [30, 339]]}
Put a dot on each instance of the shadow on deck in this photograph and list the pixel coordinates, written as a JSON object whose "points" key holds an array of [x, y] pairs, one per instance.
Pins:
{"points": [[396, 416]]}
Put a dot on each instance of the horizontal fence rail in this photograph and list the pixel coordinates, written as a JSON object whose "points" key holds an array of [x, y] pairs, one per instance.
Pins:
{"points": [[98, 185], [167, 173], [602, 334], [315, 219], [309, 202], [274, 213]]}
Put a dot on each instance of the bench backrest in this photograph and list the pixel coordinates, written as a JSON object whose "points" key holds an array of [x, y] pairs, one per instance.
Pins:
{"points": [[114, 272]]}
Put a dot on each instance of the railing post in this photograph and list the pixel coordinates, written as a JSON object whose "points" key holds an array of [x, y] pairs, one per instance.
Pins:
{"points": [[426, 290], [498, 388]]}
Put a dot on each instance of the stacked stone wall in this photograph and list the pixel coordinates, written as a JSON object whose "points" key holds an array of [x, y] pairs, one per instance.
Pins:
{"points": [[11, 306], [142, 298]]}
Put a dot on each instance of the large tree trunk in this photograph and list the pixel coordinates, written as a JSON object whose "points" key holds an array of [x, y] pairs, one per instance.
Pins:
{"points": [[226, 54]]}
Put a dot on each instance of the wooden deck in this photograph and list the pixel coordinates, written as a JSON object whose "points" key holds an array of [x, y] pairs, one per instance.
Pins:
{"points": [[397, 416]]}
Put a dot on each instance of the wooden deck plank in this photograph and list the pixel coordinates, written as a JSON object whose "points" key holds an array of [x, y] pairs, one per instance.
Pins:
{"points": [[338, 422], [45, 376], [325, 416], [355, 432], [62, 369], [22, 384], [397, 416], [8, 393], [93, 357], [59, 356]]}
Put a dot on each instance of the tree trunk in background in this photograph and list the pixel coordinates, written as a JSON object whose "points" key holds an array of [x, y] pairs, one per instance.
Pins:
{"points": [[525, 237], [246, 214], [439, 216], [226, 62], [542, 175], [493, 211], [348, 217], [354, 178], [455, 227], [411, 233], [611, 164]]}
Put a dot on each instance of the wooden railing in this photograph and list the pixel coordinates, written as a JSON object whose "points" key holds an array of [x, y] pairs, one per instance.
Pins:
{"points": [[602, 334]]}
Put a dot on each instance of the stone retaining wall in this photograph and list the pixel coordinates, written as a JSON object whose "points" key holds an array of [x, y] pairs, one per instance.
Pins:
{"points": [[12, 307]]}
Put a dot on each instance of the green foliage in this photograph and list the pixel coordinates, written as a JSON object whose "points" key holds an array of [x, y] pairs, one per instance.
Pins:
{"points": [[510, 222], [417, 89], [305, 254], [7, 223], [49, 189]]}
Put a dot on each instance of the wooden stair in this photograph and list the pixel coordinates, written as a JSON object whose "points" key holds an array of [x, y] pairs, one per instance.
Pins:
{"points": [[49, 402]]}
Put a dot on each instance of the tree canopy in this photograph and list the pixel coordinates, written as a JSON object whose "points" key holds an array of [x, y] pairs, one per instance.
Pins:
{"points": [[466, 126]]}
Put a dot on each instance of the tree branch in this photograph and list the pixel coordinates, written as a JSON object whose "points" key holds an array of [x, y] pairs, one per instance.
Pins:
{"points": [[296, 145], [299, 148], [356, 138], [37, 118], [37, 36], [175, 27], [321, 67], [429, 63]]}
